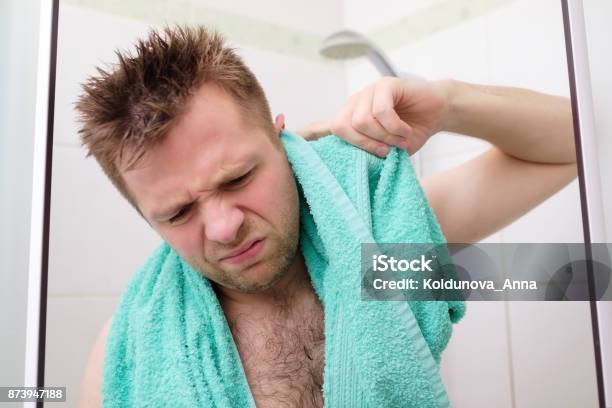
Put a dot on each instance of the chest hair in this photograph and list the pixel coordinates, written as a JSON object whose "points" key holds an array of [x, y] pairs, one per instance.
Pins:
{"points": [[283, 355]]}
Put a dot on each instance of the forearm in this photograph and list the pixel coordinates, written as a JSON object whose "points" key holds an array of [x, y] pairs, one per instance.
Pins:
{"points": [[525, 124]]}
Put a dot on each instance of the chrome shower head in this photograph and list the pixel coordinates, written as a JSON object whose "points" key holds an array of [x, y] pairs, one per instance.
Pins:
{"points": [[347, 44]]}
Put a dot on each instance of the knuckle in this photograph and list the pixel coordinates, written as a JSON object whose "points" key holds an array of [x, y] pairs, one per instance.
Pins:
{"points": [[360, 122], [380, 111], [390, 139], [364, 122], [370, 146]]}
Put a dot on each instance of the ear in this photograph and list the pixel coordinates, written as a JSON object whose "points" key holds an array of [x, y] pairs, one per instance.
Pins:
{"points": [[279, 123]]}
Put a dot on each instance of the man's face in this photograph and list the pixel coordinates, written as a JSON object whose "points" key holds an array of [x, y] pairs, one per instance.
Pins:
{"points": [[222, 194]]}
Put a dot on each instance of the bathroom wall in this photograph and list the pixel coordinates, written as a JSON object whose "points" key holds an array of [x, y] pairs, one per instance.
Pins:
{"points": [[97, 240], [516, 354], [505, 355], [18, 69]]}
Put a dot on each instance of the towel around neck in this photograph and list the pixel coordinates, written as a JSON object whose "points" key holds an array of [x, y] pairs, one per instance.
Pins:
{"points": [[170, 344]]}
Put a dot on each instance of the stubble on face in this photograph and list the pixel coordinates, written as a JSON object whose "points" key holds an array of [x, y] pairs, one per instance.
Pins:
{"points": [[276, 259], [212, 135]]}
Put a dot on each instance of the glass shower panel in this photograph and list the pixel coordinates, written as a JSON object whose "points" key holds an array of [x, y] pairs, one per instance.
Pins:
{"points": [[19, 20]]}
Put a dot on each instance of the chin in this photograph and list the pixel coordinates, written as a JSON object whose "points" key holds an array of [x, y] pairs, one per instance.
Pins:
{"points": [[259, 278], [264, 275]]}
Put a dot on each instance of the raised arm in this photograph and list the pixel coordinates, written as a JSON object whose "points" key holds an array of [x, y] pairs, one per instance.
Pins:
{"points": [[532, 157], [522, 123]]}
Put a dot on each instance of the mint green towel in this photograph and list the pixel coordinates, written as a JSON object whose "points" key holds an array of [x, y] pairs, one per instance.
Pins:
{"points": [[170, 346]]}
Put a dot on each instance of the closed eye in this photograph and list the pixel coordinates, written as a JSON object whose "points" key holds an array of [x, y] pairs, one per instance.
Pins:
{"points": [[238, 181], [182, 212], [234, 183]]}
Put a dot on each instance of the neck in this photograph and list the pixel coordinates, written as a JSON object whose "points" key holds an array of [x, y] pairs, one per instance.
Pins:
{"points": [[286, 293]]}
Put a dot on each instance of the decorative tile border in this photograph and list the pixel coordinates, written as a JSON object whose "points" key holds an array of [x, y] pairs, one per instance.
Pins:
{"points": [[433, 19], [236, 28], [287, 40]]}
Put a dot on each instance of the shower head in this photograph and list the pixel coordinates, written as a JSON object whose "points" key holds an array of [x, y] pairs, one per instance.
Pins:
{"points": [[346, 44]]}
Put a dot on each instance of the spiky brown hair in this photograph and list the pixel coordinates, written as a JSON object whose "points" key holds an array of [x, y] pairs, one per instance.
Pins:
{"points": [[127, 109]]}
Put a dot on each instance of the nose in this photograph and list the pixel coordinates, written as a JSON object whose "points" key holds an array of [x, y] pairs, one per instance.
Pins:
{"points": [[222, 221]]}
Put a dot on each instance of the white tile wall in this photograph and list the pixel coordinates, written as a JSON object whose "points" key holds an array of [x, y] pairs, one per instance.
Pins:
{"points": [[86, 39], [304, 91], [97, 241], [73, 324], [365, 16], [459, 52], [476, 364], [526, 47], [441, 163], [553, 354], [317, 16], [446, 144], [556, 220]]}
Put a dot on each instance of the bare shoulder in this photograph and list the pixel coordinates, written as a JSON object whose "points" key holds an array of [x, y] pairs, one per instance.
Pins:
{"points": [[91, 385]]}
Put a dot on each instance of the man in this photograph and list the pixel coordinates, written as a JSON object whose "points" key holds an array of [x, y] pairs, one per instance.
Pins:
{"points": [[184, 131]]}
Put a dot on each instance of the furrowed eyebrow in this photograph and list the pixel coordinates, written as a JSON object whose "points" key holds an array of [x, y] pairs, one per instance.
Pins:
{"points": [[167, 212]]}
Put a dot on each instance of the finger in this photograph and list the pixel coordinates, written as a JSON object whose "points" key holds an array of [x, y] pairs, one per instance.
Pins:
{"points": [[342, 128], [315, 130], [365, 123], [383, 109]]}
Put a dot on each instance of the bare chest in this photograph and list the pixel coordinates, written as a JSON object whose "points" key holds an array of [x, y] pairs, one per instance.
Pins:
{"points": [[283, 358]]}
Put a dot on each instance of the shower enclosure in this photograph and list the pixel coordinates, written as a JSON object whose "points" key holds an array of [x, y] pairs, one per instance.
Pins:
{"points": [[29, 31]]}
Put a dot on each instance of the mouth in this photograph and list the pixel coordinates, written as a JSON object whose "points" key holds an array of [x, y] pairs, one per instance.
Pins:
{"points": [[244, 253]]}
